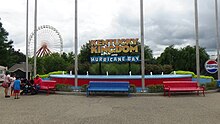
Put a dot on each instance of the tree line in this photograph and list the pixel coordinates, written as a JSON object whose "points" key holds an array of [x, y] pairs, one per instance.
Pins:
{"points": [[170, 59], [8, 55]]}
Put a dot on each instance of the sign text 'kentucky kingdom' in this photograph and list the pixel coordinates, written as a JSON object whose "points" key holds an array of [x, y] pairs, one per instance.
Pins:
{"points": [[109, 49]]}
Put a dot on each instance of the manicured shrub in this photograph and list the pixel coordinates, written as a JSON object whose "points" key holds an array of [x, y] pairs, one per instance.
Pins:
{"points": [[157, 69], [94, 69], [210, 86], [63, 87], [132, 88], [84, 88], [83, 68], [167, 69], [135, 69], [155, 88], [202, 76]]}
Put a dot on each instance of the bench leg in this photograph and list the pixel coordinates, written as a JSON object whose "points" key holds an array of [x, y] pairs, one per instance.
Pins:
{"points": [[169, 93], [164, 93], [197, 93], [48, 92], [87, 93], [203, 93]]}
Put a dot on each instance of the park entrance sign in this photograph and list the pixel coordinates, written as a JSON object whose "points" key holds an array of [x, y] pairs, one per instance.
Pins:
{"points": [[114, 50], [211, 66]]}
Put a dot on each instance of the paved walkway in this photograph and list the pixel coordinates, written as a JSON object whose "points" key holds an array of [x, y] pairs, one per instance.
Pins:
{"points": [[79, 109]]}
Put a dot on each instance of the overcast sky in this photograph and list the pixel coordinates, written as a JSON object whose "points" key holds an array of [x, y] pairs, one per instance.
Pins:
{"points": [[166, 22]]}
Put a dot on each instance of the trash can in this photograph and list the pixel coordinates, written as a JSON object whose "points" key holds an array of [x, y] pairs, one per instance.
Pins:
{"points": [[218, 83]]}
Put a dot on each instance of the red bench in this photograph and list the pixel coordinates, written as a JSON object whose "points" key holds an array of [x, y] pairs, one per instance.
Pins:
{"points": [[182, 86], [48, 85]]}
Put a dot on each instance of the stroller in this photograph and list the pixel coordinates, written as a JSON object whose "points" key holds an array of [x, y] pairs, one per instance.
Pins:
{"points": [[27, 87]]}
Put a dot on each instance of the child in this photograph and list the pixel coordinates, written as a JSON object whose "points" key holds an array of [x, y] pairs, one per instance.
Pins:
{"points": [[16, 86]]}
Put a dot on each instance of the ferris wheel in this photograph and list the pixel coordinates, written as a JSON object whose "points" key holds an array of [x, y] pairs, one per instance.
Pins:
{"points": [[49, 41]]}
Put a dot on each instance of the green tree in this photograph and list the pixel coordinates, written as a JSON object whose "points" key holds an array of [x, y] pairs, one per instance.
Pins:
{"points": [[169, 57], [148, 54], [70, 59], [183, 59], [15, 57], [64, 56], [5, 45], [41, 65], [8, 55], [54, 62], [85, 52], [50, 63], [187, 59]]}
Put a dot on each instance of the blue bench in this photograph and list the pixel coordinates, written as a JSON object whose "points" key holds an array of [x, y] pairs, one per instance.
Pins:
{"points": [[108, 86]]}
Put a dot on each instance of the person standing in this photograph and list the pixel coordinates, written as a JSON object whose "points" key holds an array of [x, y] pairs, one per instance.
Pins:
{"points": [[7, 81], [13, 78], [16, 86]]}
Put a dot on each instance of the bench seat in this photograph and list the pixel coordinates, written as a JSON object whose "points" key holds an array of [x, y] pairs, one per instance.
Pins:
{"points": [[186, 89], [109, 89], [48, 85], [182, 86], [108, 86]]}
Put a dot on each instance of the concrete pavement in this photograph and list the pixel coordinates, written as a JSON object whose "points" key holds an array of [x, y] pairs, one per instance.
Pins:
{"points": [[108, 109]]}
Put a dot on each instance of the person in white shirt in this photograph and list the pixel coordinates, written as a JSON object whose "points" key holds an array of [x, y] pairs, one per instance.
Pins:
{"points": [[7, 80], [12, 79]]}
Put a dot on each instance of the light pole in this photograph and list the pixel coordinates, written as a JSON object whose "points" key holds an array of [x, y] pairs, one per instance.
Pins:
{"points": [[76, 46], [142, 46], [27, 42], [197, 42], [217, 36], [35, 38]]}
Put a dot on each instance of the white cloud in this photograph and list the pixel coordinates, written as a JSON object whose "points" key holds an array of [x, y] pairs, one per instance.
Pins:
{"points": [[167, 22]]}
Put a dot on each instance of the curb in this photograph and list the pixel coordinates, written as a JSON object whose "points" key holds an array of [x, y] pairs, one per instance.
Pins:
{"points": [[71, 93], [132, 94], [84, 94]]}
